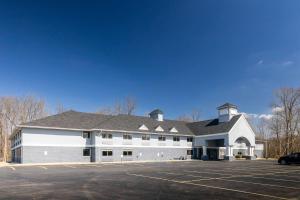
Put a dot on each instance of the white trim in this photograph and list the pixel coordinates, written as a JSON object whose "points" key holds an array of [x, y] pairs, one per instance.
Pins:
{"points": [[108, 130], [211, 134], [106, 146], [15, 147], [141, 146], [57, 145]]}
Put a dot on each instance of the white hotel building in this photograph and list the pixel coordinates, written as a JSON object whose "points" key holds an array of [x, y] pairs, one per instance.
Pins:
{"points": [[86, 137]]}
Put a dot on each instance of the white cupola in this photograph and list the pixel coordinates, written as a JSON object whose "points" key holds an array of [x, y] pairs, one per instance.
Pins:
{"points": [[227, 111], [157, 114]]}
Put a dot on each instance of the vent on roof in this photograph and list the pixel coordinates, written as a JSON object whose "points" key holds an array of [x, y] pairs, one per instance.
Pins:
{"points": [[159, 128], [173, 130], [143, 127]]}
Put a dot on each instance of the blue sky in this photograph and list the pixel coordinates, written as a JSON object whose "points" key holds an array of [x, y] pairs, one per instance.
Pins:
{"points": [[174, 55]]}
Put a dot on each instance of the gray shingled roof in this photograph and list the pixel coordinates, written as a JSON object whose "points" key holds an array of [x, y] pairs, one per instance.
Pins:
{"points": [[212, 126], [227, 105], [79, 120], [71, 119]]}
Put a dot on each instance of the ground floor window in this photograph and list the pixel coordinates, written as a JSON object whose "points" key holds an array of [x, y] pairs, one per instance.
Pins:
{"points": [[189, 152], [127, 153], [107, 153], [87, 152]]}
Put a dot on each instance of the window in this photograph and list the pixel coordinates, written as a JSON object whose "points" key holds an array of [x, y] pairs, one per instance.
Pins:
{"points": [[107, 153], [189, 139], [189, 152], [86, 134], [106, 135], [86, 152], [176, 138], [127, 153], [145, 137], [127, 137], [161, 138]]}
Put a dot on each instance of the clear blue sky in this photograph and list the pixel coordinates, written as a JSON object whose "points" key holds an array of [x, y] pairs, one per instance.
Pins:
{"points": [[174, 55]]}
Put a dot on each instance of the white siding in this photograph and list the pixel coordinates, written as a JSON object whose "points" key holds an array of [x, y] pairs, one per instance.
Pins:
{"points": [[45, 137], [241, 129]]}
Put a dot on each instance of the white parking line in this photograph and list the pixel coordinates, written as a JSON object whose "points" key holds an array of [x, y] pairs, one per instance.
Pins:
{"points": [[226, 179], [276, 179], [43, 167], [69, 166], [14, 169], [208, 173], [207, 186]]}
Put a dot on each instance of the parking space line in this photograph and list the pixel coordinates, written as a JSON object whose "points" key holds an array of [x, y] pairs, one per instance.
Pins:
{"points": [[70, 166], [276, 179], [208, 173], [14, 169], [226, 179], [207, 186], [43, 167]]}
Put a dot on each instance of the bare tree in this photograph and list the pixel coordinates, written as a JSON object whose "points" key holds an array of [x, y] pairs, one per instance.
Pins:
{"points": [[14, 111], [288, 99], [127, 107], [184, 118], [105, 111], [60, 108], [192, 117]]}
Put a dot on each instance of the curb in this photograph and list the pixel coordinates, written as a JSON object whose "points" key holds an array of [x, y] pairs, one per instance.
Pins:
{"points": [[90, 163]]}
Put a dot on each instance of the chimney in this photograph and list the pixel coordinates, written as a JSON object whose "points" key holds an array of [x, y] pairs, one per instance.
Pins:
{"points": [[157, 114]]}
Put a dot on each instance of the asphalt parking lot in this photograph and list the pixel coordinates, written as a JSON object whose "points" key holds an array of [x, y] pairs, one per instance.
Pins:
{"points": [[157, 180]]}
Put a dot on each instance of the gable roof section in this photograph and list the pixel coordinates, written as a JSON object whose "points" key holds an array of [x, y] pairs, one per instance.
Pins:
{"points": [[130, 123], [70, 119], [212, 126], [86, 121]]}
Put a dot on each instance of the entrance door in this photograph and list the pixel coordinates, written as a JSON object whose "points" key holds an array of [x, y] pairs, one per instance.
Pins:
{"points": [[197, 153], [212, 154]]}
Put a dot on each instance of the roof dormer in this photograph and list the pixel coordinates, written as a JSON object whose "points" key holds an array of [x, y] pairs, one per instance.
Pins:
{"points": [[173, 130], [159, 129], [143, 127]]}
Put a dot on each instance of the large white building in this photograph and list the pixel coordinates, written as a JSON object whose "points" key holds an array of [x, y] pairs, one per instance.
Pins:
{"points": [[86, 137]]}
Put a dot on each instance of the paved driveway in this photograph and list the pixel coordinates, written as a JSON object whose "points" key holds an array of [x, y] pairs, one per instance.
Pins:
{"points": [[164, 180]]}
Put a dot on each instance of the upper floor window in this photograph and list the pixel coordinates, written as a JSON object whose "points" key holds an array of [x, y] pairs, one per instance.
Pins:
{"points": [[189, 139], [106, 135], [145, 137], [176, 138], [161, 138], [127, 137], [86, 134]]}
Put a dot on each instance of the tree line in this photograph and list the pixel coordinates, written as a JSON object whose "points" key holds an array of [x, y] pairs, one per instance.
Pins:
{"points": [[281, 131]]}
